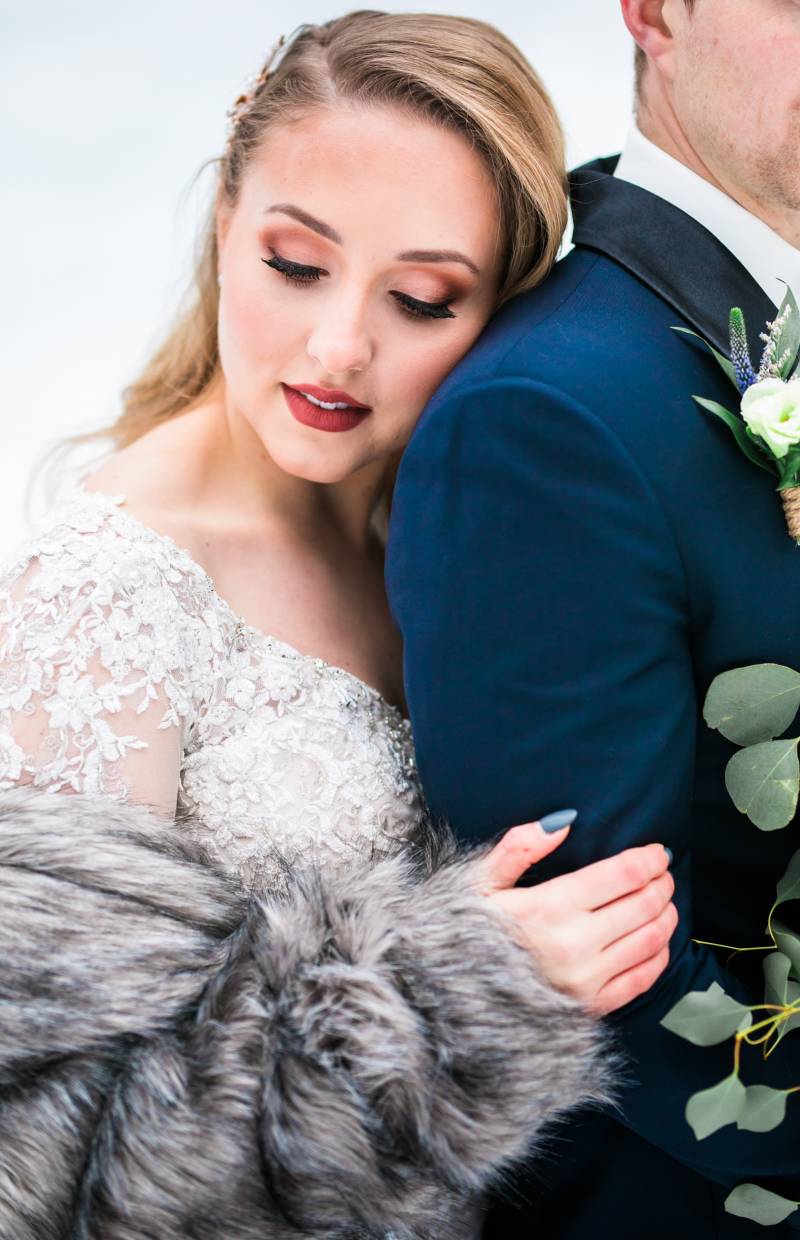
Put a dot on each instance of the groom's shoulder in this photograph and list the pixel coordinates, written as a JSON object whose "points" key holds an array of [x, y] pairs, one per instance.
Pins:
{"points": [[589, 320]]}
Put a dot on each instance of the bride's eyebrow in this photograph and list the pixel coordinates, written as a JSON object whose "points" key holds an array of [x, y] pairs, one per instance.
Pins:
{"points": [[408, 256], [437, 256], [303, 217]]}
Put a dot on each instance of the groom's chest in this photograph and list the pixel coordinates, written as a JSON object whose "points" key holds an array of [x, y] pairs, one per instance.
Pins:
{"points": [[730, 553], [741, 573]]}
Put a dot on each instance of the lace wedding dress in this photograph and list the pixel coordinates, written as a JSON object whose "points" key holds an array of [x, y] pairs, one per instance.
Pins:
{"points": [[269, 1045], [111, 636]]}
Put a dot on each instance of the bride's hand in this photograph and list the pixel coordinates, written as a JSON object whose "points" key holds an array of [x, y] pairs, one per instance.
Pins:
{"points": [[600, 933]]}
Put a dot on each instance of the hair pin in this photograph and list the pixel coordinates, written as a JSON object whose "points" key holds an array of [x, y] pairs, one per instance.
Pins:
{"points": [[252, 86]]}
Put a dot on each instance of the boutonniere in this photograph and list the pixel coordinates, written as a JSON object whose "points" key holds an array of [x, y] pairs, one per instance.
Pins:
{"points": [[767, 426]]}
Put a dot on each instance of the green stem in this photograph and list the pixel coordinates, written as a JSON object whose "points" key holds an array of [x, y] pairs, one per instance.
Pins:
{"points": [[770, 931], [770, 1023], [768, 947], [788, 1012], [728, 947]]}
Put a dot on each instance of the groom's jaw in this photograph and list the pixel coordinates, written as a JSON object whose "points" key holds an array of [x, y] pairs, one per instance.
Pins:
{"points": [[718, 90]]}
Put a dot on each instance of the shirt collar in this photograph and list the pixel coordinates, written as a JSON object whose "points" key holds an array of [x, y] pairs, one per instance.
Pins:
{"points": [[771, 261]]}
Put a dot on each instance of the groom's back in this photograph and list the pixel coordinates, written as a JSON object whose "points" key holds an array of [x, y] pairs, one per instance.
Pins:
{"points": [[577, 550], [603, 341]]}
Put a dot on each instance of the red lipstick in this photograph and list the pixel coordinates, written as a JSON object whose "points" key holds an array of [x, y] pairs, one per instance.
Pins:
{"points": [[311, 413]]}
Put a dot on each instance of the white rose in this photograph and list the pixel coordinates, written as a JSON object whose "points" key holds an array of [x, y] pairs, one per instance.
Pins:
{"points": [[771, 409]]}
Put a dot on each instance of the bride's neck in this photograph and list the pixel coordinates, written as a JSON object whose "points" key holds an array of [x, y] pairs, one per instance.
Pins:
{"points": [[231, 473]]}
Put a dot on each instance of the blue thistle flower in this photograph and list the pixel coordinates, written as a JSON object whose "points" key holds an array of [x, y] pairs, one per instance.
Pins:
{"points": [[740, 352]]}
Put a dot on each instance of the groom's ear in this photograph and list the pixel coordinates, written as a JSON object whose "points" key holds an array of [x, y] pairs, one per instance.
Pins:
{"points": [[653, 25]]}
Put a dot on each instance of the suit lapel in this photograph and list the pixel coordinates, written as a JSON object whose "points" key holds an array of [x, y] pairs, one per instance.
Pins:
{"points": [[665, 248]]}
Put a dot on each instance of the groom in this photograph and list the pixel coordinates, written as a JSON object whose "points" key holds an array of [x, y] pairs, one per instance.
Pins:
{"points": [[577, 550]]}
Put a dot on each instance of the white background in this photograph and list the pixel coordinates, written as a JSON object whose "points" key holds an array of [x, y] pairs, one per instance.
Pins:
{"points": [[111, 112]]}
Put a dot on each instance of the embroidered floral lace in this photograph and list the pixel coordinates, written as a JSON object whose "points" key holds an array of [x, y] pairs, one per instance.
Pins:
{"points": [[123, 672]]}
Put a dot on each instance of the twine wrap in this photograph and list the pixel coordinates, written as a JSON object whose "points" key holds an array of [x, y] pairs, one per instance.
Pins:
{"points": [[791, 506]]}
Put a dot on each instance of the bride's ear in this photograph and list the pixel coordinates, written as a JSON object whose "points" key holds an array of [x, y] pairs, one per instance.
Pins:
{"points": [[652, 24]]}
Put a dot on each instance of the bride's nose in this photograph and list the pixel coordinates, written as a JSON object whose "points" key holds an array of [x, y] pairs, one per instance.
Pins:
{"points": [[340, 342]]}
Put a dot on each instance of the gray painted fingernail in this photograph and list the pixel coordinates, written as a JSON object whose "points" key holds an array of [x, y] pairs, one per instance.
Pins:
{"points": [[668, 851], [555, 822]]}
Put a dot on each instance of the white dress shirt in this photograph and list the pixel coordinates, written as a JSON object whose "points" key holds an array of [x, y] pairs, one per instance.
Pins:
{"points": [[766, 256]]}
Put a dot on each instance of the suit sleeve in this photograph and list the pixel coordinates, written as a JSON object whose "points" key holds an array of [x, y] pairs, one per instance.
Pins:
{"points": [[543, 607]]}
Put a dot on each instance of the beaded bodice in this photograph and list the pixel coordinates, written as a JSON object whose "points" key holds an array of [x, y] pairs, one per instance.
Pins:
{"points": [[124, 673]]}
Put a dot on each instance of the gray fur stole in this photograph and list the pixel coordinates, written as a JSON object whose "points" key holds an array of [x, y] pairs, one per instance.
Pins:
{"points": [[355, 1055]]}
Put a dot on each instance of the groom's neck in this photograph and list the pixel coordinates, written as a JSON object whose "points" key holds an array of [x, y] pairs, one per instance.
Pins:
{"points": [[658, 121]]}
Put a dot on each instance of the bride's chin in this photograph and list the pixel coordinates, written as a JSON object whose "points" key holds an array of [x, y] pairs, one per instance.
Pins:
{"points": [[327, 464]]}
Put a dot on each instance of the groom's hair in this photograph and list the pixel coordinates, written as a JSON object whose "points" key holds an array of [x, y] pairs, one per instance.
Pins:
{"points": [[640, 61]]}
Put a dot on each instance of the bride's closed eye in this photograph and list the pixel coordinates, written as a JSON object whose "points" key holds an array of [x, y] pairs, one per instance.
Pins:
{"points": [[297, 273], [423, 309], [412, 307]]}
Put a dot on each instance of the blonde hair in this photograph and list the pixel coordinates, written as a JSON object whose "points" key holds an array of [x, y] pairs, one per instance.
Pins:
{"points": [[457, 71]]}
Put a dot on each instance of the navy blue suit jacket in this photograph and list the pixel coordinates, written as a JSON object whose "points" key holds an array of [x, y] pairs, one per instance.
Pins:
{"points": [[576, 551]]}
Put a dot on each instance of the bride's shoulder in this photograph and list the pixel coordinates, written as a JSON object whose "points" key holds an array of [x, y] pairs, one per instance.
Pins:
{"points": [[92, 545], [85, 529], [149, 487], [93, 588]]}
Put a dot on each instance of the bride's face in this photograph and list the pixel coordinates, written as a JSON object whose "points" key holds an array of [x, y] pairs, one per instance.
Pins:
{"points": [[359, 264]]}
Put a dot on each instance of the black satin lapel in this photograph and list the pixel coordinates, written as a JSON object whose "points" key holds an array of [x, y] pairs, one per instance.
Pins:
{"points": [[665, 248]]}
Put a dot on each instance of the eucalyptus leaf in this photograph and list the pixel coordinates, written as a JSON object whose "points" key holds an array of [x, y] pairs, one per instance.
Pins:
{"points": [[789, 339], [763, 781], [706, 1017], [789, 1026], [776, 977], [789, 885], [749, 705], [793, 1023], [737, 426], [764, 1109], [723, 361], [712, 1109], [788, 943], [779, 989], [759, 1205]]}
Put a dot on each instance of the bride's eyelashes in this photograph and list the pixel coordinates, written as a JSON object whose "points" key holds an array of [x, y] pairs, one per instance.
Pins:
{"points": [[296, 273], [412, 307], [423, 309]]}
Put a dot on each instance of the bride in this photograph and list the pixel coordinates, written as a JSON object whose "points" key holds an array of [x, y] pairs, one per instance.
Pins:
{"points": [[200, 628]]}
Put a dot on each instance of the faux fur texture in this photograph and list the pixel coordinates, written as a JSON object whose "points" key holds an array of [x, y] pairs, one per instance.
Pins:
{"points": [[353, 1056]]}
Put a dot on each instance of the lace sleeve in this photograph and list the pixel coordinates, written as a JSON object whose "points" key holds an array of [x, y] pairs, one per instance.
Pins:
{"points": [[102, 669]]}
